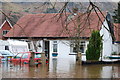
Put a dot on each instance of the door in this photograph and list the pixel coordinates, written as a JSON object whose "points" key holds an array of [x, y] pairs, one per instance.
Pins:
{"points": [[47, 50]]}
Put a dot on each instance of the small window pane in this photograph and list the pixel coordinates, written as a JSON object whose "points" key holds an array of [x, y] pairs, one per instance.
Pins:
{"points": [[54, 47], [25, 55], [54, 41], [37, 55], [5, 32], [19, 55], [81, 48], [6, 47]]}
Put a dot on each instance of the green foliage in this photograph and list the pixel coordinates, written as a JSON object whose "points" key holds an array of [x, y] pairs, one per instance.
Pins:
{"points": [[16, 12], [27, 10], [94, 47]]}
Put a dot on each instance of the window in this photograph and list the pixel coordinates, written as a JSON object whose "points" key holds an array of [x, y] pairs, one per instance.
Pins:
{"points": [[55, 46], [81, 47], [18, 56], [55, 42], [25, 55], [37, 55], [6, 47], [5, 32]]}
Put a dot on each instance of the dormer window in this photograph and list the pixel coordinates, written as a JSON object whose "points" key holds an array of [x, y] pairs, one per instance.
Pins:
{"points": [[5, 32]]}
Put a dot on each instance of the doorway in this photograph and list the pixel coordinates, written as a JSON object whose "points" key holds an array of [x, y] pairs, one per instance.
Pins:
{"points": [[47, 49]]}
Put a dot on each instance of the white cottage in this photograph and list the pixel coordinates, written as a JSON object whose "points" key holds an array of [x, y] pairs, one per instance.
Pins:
{"points": [[54, 33]]}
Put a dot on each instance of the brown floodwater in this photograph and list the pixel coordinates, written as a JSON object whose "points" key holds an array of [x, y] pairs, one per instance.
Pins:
{"points": [[59, 68]]}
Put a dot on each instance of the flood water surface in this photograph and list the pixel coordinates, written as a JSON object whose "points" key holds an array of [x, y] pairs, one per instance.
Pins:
{"points": [[60, 68]]}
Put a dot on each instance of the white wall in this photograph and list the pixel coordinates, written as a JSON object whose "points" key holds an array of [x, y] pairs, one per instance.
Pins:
{"points": [[63, 54], [116, 48], [107, 40], [18, 46], [14, 45], [119, 48], [63, 49], [3, 44]]}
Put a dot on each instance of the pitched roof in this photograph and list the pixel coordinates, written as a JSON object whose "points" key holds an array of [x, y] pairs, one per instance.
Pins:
{"points": [[6, 22], [54, 25], [6, 25]]}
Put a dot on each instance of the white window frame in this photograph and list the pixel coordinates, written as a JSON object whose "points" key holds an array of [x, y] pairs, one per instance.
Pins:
{"points": [[55, 43], [73, 45]]}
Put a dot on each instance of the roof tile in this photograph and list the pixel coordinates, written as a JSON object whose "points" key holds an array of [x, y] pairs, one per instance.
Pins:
{"points": [[54, 25]]}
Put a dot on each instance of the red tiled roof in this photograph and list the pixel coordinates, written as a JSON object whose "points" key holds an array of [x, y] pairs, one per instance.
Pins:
{"points": [[52, 25]]}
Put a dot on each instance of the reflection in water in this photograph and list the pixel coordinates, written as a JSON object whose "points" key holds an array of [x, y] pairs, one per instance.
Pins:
{"points": [[107, 71], [60, 68], [54, 60], [96, 70], [31, 72]]}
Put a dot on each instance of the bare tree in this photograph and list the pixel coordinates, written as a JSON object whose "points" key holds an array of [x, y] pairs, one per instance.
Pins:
{"points": [[74, 17]]}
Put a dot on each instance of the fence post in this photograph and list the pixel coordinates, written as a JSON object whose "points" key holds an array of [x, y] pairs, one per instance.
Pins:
{"points": [[32, 62], [43, 58], [79, 56]]}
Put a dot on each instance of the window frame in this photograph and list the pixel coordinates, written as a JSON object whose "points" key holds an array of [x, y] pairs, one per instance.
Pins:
{"points": [[24, 56], [82, 44], [6, 47], [4, 32], [18, 57], [55, 46]]}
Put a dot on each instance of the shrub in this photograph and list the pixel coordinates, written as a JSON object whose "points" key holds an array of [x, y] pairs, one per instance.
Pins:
{"points": [[94, 47]]}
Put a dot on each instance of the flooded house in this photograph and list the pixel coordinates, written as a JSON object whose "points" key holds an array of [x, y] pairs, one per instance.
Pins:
{"points": [[57, 33]]}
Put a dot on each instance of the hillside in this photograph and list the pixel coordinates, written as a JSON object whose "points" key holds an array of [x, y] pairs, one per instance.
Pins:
{"points": [[17, 9]]}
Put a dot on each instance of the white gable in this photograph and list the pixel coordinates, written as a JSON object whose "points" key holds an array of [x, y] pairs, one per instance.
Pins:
{"points": [[5, 22]]}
